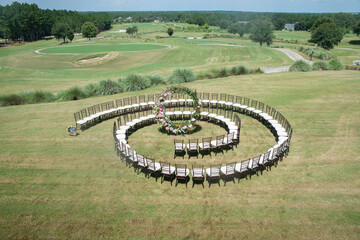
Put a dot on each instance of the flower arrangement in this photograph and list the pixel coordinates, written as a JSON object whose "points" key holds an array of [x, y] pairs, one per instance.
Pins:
{"points": [[160, 114]]}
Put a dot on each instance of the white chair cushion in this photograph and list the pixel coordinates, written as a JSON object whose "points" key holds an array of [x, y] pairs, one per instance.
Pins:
{"points": [[213, 173], [182, 172], [192, 145], [155, 167], [166, 170], [230, 170], [121, 131], [198, 172], [124, 127]]}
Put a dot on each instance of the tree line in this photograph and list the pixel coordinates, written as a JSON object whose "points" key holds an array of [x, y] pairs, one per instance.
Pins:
{"points": [[27, 22], [224, 20]]}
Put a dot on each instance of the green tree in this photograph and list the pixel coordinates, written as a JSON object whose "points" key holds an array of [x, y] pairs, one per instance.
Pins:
{"points": [[89, 30], [132, 30], [321, 21], [70, 35], [236, 29], [356, 28], [279, 24], [4, 31], [199, 20], [206, 26], [170, 31], [262, 32], [61, 30], [327, 35]]}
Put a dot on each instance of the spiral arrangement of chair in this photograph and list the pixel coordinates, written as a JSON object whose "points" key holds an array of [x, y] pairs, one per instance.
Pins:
{"points": [[222, 109]]}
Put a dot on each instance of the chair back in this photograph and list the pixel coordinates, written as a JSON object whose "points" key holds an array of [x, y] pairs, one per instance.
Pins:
{"points": [[273, 112], [83, 113], [230, 98], [180, 169], [198, 170], [268, 109], [230, 168], [150, 97], [77, 116], [230, 137], [111, 105], [126, 101], [133, 100], [239, 99], [104, 106], [90, 110], [206, 96], [266, 157], [141, 160], [142, 99], [223, 96], [214, 96], [220, 140], [193, 144], [255, 162], [246, 101], [254, 103], [118, 102], [165, 167], [97, 108], [150, 163], [261, 106], [244, 165], [179, 144], [215, 169], [206, 143]]}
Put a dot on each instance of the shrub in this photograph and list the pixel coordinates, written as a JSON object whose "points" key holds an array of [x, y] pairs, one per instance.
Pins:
{"points": [[38, 96], [135, 82], [219, 73], [156, 80], [74, 93], [204, 75], [181, 75], [347, 67], [256, 70], [12, 99], [335, 64], [320, 65], [90, 89], [300, 66], [108, 87], [239, 70]]}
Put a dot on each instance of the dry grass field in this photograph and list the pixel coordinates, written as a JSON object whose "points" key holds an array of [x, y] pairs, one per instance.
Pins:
{"points": [[56, 186]]}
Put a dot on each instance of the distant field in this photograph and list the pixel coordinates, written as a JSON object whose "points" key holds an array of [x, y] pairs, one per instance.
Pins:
{"points": [[102, 48]]}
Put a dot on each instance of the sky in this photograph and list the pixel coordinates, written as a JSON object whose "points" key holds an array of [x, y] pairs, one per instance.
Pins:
{"points": [[312, 6]]}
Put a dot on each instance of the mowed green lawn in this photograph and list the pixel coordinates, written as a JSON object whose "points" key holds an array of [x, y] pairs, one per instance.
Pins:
{"points": [[99, 48], [22, 69], [56, 186]]}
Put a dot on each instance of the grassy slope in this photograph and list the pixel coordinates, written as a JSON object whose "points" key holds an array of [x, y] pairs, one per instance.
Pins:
{"points": [[56, 186]]}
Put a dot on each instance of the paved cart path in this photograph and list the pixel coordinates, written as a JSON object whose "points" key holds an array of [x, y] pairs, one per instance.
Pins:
{"points": [[291, 54]]}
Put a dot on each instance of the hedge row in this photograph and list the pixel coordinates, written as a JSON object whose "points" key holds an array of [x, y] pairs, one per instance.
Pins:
{"points": [[132, 82]]}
